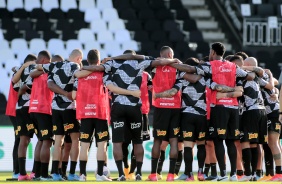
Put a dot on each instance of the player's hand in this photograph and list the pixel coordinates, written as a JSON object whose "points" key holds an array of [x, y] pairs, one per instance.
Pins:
{"points": [[220, 95], [274, 97], [106, 59], [28, 63], [268, 72], [239, 88], [136, 93], [69, 96]]}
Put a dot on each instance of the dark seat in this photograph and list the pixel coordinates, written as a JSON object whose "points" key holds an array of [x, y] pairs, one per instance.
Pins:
{"points": [[122, 5], [145, 46], [196, 36], [279, 10], [133, 25], [274, 1], [11, 34], [141, 36], [182, 46], [56, 13], [175, 4], [62, 25], [38, 13], [154, 53], [47, 35], [164, 43], [170, 25], [146, 14], [24, 24], [189, 53], [69, 34], [157, 4], [20, 13], [176, 36], [31, 34], [8, 24], [182, 14], [265, 10], [78, 24], [203, 47], [5, 13], [190, 25], [129, 14], [164, 14], [158, 36], [43, 25], [137, 4], [263, 56], [241, 1], [151, 25], [75, 14]]}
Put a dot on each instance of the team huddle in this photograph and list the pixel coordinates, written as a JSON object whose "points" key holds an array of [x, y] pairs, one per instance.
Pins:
{"points": [[204, 102]]}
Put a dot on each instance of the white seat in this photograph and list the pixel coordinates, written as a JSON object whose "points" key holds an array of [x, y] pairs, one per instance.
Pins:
{"points": [[1, 35], [112, 47], [68, 4], [2, 4], [246, 9], [31, 4], [10, 63], [122, 35], [22, 55], [115, 25], [55, 45], [85, 4], [48, 5], [5, 84], [91, 45], [73, 44], [109, 14], [98, 26], [36, 45], [13, 4], [115, 52], [4, 44], [102, 4], [92, 14], [105, 36], [103, 54], [85, 35], [132, 45], [18, 44], [64, 53], [6, 54]]}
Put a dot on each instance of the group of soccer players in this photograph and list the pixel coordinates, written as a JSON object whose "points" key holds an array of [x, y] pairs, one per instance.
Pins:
{"points": [[202, 102]]}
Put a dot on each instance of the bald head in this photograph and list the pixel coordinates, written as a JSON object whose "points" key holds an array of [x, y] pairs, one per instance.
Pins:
{"points": [[250, 61], [166, 52], [76, 56]]}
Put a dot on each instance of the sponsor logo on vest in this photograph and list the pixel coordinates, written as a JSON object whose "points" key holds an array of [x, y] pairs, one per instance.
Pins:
{"points": [[225, 100], [90, 106], [84, 136], [44, 132], [222, 69], [221, 131], [277, 126], [90, 78], [29, 127], [33, 108], [69, 126], [90, 114], [161, 132], [237, 132], [164, 69], [253, 136], [202, 135], [34, 102], [187, 134], [102, 134], [176, 131], [172, 98], [167, 104], [54, 127], [118, 124], [135, 125]]}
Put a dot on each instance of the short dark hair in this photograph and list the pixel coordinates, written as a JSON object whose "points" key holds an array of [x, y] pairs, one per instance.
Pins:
{"points": [[218, 48], [205, 59], [57, 58], [165, 48], [242, 54], [93, 56], [235, 57], [192, 61], [129, 52], [228, 57], [30, 57], [45, 54]]}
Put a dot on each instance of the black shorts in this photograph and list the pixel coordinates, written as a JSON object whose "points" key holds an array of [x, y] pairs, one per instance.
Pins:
{"points": [[254, 124], [274, 125], [89, 125], [15, 125], [64, 122], [43, 125], [224, 123], [125, 116], [146, 128], [25, 123], [166, 123], [193, 127]]}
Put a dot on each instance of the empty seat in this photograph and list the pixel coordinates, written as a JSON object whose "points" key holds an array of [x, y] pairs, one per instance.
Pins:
{"points": [[13, 4], [105, 36], [18, 44], [68, 4], [20, 13], [31, 4], [69, 34], [116, 25], [182, 14], [122, 35], [73, 44], [157, 4], [7, 24], [203, 47], [175, 36], [158, 36], [109, 14], [11, 34], [86, 4], [77, 24], [48, 5], [38, 14], [88, 45], [6, 54], [98, 25], [62, 25], [3, 4], [129, 14], [22, 55], [190, 25], [4, 44], [55, 45], [246, 10], [102, 4], [122, 5], [162, 43], [274, 1], [56, 14], [24, 24], [265, 10], [1, 35], [148, 45], [31, 34], [137, 4], [4, 13], [48, 34], [43, 25], [182, 46], [152, 24], [92, 14], [10, 63], [164, 14], [85, 35], [36, 45], [196, 36], [132, 45], [141, 36], [146, 14], [112, 47], [170, 25], [75, 14], [175, 4], [134, 25]]}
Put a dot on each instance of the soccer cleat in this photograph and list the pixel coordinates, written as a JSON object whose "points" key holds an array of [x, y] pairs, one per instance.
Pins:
{"points": [[106, 171], [212, 178], [82, 177], [23, 177], [103, 178], [57, 177], [265, 178], [65, 177], [48, 178], [121, 178], [182, 177], [138, 177], [175, 176], [35, 178], [15, 176], [276, 177], [201, 176], [245, 178], [238, 176], [32, 175], [73, 177], [170, 177], [130, 176], [152, 177], [191, 178], [222, 178], [160, 177], [233, 178]]}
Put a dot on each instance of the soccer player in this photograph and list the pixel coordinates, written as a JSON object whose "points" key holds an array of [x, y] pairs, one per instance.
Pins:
{"points": [[63, 114]]}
